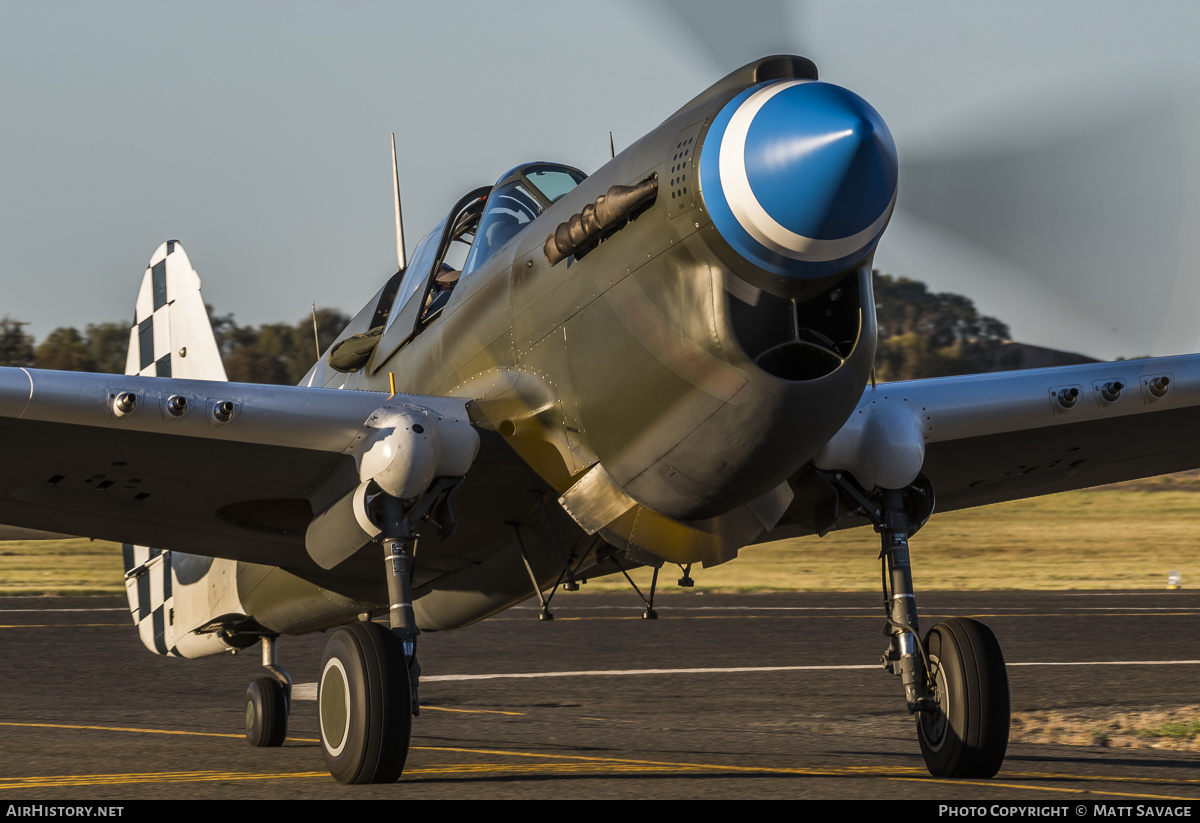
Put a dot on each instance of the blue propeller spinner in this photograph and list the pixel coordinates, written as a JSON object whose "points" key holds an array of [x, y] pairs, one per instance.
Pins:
{"points": [[799, 177]]}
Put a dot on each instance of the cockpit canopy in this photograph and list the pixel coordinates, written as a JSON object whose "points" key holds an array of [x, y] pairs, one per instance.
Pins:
{"points": [[478, 225], [475, 228], [518, 197]]}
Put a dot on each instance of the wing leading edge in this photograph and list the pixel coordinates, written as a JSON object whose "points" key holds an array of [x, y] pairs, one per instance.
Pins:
{"points": [[218, 469]]}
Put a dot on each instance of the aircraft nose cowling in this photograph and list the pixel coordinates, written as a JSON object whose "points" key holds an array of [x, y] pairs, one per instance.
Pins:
{"points": [[799, 178]]}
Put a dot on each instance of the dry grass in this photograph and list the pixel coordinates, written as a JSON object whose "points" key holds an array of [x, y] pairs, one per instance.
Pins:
{"points": [[1158, 728], [60, 567], [1128, 536]]}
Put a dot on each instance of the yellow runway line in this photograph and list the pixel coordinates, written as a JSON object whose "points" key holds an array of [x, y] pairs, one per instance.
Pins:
{"points": [[559, 763], [118, 729], [470, 711], [65, 780]]}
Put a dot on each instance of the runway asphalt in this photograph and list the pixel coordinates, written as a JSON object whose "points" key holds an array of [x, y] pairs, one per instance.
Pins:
{"points": [[747, 696]]}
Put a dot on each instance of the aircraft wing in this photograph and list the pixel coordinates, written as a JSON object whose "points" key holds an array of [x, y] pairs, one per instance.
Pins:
{"points": [[234, 470], [988, 438]]}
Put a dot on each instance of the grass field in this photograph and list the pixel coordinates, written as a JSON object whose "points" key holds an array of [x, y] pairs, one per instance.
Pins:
{"points": [[1129, 536], [60, 567]]}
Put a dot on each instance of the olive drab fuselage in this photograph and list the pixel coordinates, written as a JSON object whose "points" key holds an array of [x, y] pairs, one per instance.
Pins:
{"points": [[656, 352]]}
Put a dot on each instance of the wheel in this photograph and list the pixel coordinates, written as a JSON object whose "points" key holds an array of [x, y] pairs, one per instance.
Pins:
{"points": [[364, 705], [968, 735], [266, 712]]}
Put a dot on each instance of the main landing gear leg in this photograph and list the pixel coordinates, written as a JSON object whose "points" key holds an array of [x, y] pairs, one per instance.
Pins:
{"points": [[955, 680], [367, 695], [904, 657], [399, 536]]}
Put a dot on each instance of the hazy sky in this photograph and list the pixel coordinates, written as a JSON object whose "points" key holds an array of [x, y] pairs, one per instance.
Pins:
{"points": [[1049, 150]]}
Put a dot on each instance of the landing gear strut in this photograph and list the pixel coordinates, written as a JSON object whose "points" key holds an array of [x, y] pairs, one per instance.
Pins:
{"points": [[954, 678], [367, 694]]}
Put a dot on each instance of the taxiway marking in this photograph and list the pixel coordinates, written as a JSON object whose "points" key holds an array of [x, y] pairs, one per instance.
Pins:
{"points": [[308, 691], [120, 729], [558, 763], [64, 625], [62, 780], [579, 764], [50, 611]]}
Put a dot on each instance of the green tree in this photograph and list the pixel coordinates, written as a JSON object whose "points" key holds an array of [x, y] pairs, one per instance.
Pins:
{"points": [[108, 346], [274, 352], [64, 349], [16, 347], [929, 334], [225, 330], [910, 356]]}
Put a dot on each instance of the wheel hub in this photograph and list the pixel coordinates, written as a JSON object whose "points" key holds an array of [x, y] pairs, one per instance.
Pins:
{"points": [[334, 707]]}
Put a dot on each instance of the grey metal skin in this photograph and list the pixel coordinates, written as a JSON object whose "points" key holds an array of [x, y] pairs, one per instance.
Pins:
{"points": [[639, 356]]}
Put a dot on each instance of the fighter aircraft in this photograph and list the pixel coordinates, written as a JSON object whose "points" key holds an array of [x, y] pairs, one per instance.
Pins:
{"points": [[662, 362]]}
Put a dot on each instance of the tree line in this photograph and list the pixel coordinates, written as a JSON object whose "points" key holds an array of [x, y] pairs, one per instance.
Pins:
{"points": [[934, 334], [921, 334], [280, 353]]}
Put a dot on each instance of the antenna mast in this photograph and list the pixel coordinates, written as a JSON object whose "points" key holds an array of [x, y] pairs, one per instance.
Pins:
{"points": [[316, 337], [399, 223]]}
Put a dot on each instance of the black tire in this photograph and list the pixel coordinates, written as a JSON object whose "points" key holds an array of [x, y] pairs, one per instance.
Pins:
{"points": [[266, 713], [968, 736], [364, 705]]}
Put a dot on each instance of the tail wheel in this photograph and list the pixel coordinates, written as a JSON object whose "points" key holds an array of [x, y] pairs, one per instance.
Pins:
{"points": [[266, 713], [364, 705], [968, 734]]}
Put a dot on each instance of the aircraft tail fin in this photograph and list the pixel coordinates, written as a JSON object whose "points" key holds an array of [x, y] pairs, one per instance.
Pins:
{"points": [[172, 335]]}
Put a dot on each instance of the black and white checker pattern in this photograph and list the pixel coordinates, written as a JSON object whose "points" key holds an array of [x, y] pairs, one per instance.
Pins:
{"points": [[150, 337], [149, 584], [171, 336], [148, 575]]}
